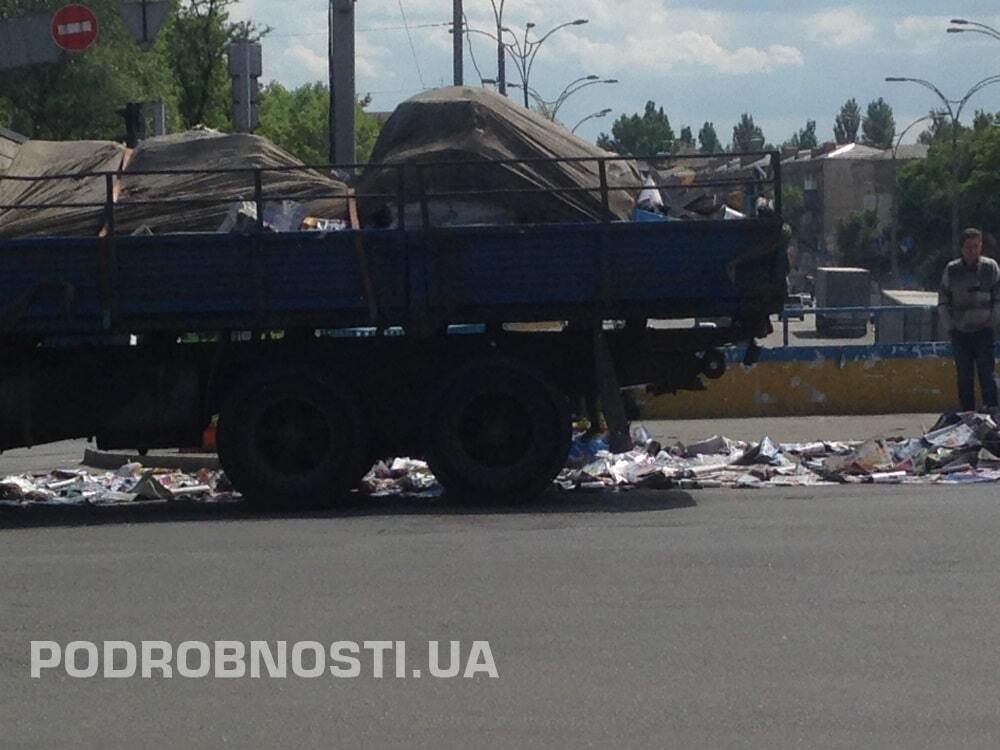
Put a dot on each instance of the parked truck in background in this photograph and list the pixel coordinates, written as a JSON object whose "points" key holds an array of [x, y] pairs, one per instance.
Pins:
{"points": [[139, 341]]}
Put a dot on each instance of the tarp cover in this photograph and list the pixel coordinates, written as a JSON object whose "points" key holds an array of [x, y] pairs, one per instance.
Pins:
{"points": [[203, 200], [209, 150], [474, 124], [51, 158]]}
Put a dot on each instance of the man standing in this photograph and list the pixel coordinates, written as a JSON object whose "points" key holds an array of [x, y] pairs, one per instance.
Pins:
{"points": [[969, 301]]}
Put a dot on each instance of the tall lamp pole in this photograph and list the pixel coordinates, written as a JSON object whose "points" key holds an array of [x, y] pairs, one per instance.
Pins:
{"points": [[894, 239], [524, 51], [501, 50], [954, 109]]}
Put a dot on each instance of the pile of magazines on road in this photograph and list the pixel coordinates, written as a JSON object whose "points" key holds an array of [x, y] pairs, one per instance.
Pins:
{"points": [[959, 449]]}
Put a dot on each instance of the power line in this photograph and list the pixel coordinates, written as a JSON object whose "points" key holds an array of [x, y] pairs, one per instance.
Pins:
{"points": [[370, 29], [413, 49]]}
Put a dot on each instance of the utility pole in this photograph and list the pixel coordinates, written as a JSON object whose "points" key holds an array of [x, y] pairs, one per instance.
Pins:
{"points": [[458, 40], [501, 49], [342, 91]]}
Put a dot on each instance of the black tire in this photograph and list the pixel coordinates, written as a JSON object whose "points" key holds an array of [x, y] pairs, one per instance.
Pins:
{"points": [[497, 431], [293, 439]]}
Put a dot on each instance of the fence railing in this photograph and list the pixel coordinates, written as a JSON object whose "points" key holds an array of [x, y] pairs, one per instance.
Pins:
{"points": [[405, 183], [873, 314]]}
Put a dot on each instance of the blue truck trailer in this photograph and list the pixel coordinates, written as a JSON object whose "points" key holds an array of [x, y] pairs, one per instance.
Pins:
{"points": [[140, 340]]}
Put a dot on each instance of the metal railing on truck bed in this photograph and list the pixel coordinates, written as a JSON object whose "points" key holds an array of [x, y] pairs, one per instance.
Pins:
{"points": [[398, 274]]}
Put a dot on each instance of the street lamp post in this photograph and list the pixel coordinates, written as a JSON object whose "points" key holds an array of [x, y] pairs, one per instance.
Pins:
{"points": [[894, 238], [595, 116], [524, 51], [550, 109], [501, 49], [954, 109], [962, 26]]}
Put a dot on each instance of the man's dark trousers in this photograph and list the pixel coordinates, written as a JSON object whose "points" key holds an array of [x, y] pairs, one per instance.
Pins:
{"points": [[974, 355]]}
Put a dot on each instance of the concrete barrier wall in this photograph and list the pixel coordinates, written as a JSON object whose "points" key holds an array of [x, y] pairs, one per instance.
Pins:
{"points": [[802, 381]]}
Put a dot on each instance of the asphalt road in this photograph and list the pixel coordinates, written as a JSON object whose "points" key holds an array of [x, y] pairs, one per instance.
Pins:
{"points": [[837, 617]]}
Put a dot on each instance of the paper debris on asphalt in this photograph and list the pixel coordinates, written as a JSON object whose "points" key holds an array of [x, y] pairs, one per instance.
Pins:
{"points": [[960, 449], [129, 484]]}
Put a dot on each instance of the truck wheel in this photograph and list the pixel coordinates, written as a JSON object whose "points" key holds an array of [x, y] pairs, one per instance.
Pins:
{"points": [[293, 440], [497, 431]]}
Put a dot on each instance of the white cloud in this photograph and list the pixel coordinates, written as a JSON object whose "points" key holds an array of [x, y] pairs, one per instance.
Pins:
{"points": [[921, 34], [304, 60], [646, 38], [839, 27]]}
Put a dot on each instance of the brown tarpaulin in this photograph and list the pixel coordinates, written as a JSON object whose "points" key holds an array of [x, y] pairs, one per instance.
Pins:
{"points": [[50, 158], [474, 124], [208, 196], [209, 150]]}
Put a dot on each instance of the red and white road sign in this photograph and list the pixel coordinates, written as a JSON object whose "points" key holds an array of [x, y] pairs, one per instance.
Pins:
{"points": [[74, 27]]}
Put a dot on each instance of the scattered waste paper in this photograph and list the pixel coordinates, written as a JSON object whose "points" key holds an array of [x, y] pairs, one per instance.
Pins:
{"points": [[131, 483], [962, 448]]}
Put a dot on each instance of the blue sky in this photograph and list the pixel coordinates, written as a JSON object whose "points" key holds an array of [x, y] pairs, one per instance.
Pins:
{"points": [[783, 62]]}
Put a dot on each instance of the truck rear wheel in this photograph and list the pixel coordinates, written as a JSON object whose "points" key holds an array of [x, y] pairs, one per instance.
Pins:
{"points": [[293, 440], [497, 431]]}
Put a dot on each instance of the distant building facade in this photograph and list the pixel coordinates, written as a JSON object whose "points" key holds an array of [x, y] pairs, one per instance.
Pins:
{"points": [[838, 181]]}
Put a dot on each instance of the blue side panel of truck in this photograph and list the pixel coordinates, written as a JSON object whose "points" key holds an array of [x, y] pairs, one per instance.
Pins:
{"points": [[459, 275]]}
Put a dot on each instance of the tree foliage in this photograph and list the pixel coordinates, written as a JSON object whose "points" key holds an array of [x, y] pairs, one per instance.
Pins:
{"points": [[685, 142], [925, 199], [805, 138], [298, 121], [879, 125], [196, 41], [793, 206], [647, 134], [861, 242], [708, 139], [746, 135], [848, 122], [78, 96]]}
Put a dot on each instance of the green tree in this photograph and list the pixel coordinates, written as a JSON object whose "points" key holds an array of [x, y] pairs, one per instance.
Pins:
{"points": [[78, 96], [805, 138], [983, 121], [685, 142], [197, 38], [708, 139], [298, 121], [879, 125], [747, 136], [848, 122], [925, 198], [793, 206], [862, 244], [939, 131], [647, 134]]}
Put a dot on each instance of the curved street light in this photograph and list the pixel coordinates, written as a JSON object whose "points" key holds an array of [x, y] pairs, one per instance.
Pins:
{"points": [[524, 51], [954, 109], [595, 116], [963, 26], [550, 108], [894, 238]]}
